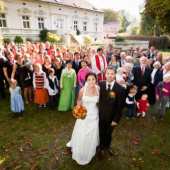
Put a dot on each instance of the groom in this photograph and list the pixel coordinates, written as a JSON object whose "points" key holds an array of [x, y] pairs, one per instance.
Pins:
{"points": [[110, 109]]}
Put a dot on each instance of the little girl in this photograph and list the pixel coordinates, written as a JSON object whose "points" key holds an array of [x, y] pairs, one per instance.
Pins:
{"points": [[41, 96], [17, 104], [142, 105], [120, 77]]}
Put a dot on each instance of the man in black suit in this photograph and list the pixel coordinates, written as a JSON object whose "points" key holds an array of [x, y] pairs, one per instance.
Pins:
{"points": [[142, 78], [110, 109], [76, 66], [76, 63]]}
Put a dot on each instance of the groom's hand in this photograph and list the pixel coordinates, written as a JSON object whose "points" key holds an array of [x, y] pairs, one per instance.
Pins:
{"points": [[113, 123]]}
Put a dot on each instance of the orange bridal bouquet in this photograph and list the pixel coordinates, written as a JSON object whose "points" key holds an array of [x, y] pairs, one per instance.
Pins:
{"points": [[79, 112], [112, 95]]}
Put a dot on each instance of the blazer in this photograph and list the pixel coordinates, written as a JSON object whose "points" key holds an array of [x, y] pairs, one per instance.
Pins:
{"points": [[140, 80], [158, 76], [74, 66], [111, 109]]}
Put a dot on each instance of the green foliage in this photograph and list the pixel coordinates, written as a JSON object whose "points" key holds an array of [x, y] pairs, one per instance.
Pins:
{"points": [[161, 42], [18, 39], [110, 15], [29, 39], [159, 12], [43, 34], [134, 31], [53, 38], [78, 32], [118, 39], [88, 39], [124, 24], [6, 40], [1, 5]]}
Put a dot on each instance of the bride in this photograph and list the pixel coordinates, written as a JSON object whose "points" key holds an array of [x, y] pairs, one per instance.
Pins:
{"points": [[85, 136]]}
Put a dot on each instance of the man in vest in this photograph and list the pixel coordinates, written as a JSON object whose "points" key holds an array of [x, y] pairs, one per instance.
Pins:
{"points": [[99, 65]]}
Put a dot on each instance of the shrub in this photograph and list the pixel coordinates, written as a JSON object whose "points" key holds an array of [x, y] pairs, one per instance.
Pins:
{"points": [[18, 39], [159, 42], [29, 39], [6, 40], [43, 34], [88, 39], [119, 39], [78, 32], [53, 38]]}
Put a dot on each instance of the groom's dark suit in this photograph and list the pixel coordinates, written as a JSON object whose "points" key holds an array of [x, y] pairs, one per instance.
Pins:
{"points": [[109, 110]]}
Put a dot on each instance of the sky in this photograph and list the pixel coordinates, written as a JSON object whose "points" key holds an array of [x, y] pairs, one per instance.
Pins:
{"points": [[132, 6]]}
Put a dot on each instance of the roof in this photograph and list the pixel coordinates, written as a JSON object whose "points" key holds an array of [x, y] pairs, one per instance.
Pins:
{"points": [[108, 23], [83, 4]]}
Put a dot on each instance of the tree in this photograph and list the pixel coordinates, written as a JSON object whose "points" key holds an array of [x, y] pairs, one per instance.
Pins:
{"points": [[159, 11], [43, 34], [124, 23], [110, 15]]}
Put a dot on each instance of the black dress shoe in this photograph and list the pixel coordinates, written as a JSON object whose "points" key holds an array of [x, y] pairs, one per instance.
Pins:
{"points": [[111, 151], [101, 154]]}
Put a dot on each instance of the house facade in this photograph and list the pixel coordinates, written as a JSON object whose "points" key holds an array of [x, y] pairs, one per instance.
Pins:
{"points": [[111, 29], [64, 17]]}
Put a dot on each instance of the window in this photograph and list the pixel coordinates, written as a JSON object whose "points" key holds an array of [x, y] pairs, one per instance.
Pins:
{"points": [[75, 25], [95, 27], [26, 23], [84, 26], [2, 20], [41, 23]]}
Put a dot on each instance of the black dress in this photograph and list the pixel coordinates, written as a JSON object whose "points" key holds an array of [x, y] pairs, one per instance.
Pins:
{"points": [[9, 66], [58, 72], [25, 76], [45, 70]]}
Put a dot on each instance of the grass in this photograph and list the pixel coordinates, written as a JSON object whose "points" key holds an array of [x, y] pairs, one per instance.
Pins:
{"points": [[38, 141]]}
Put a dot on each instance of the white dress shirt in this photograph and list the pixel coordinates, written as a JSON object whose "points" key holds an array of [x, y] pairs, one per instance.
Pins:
{"points": [[112, 84], [94, 66], [50, 90], [127, 99], [153, 75], [123, 62], [143, 69]]}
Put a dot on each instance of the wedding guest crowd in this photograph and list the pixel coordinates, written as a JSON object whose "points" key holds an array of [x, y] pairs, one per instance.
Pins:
{"points": [[52, 75]]}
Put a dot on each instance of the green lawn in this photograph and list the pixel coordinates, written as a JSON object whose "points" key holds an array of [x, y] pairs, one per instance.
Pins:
{"points": [[38, 141]]}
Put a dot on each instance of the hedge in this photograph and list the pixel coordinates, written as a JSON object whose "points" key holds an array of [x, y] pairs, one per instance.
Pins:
{"points": [[161, 42]]}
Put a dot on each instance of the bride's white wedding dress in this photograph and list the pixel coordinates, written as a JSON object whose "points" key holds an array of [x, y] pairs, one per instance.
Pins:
{"points": [[85, 136]]}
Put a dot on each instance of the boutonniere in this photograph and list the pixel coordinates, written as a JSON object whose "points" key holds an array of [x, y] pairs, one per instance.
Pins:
{"points": [[112, 95]]}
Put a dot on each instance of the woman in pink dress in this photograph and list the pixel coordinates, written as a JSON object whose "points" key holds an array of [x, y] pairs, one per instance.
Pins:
{"points": [[81, 76]]}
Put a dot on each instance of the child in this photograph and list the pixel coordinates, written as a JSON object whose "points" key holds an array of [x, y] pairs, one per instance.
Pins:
{"points": [[142, 105], [120, 77], [41, 96], [68, 82], [52, 86], [130, 103], [27, 63], [17, 104]]}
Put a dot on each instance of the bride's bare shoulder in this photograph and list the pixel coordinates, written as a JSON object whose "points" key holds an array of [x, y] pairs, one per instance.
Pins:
{"points": [[82, 90]]}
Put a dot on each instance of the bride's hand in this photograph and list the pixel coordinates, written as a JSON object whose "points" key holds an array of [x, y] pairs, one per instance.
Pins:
{"points": [[113, 123]]}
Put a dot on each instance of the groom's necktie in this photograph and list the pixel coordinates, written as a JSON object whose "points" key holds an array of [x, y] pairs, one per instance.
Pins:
{"points": [[108, 89]]}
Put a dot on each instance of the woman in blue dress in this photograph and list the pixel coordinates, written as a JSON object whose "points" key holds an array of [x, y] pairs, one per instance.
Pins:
{"points": [[114, 63]]}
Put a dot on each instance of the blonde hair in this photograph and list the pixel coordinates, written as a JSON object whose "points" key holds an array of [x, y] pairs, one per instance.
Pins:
{"points": [[13, 82], [45, 57], [132, 90], [38, 65], [120, 70], [144, 95]]}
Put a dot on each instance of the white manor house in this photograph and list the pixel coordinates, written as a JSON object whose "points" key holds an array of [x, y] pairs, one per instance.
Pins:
{"points": [[64, 17]]}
